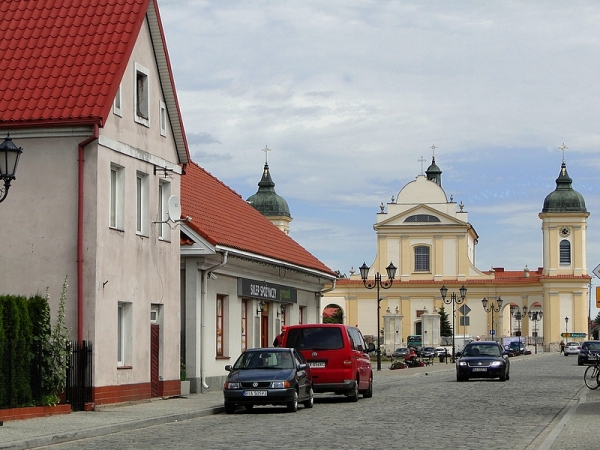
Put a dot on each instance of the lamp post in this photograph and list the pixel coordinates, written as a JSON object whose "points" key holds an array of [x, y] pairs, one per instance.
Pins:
{"points": [[519, 317], [566, 322], [9, 159], [378, 283], [536, 316], [455, 301], [492, 309]]}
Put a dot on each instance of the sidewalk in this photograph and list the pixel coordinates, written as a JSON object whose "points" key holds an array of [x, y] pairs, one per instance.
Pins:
{"points": [[575, 427]]}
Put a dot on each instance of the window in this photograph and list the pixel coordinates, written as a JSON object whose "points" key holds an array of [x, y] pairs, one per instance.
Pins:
{"points": [[116, 197], [421, 259], [164, 192], [422, 218], [141, 95], [163, 119], [117, 103], [220, 325], [565, 252], [141, 226], [124, 334], [244, 324]]}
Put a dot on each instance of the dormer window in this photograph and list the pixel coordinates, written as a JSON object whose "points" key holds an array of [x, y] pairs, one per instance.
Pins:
{"points": [[142, 95]]}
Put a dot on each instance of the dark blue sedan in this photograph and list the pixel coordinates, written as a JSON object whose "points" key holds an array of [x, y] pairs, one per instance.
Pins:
{"points": [[483, 359], [268, 376]]}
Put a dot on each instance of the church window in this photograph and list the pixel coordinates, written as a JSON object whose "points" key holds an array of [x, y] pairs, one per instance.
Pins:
{"points": [[421, 259], [565, 252], [422, 218]]}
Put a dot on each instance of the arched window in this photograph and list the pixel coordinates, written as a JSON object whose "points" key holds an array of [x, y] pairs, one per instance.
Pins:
{"points": [[421, 259], [422, 218], [565, 252]]}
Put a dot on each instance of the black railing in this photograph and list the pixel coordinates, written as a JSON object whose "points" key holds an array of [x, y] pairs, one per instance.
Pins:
{"points": [[79, 375]]}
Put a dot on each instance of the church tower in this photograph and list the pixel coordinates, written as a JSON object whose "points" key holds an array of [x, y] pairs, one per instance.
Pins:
{"points": [[564, 223], [565, 279], [268, 203]]}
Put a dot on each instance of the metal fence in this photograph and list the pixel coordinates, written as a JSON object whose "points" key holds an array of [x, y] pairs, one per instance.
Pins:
{"points": [[79, 375]]}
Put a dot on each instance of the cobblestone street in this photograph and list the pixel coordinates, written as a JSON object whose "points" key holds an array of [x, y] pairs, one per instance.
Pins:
{"points": [[425, 408]]}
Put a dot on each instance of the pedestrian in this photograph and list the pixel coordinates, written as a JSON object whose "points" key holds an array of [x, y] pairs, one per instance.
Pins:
{"points": [[562, 346], [278, 342]]}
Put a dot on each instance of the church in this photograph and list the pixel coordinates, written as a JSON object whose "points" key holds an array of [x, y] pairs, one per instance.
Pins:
{"points": [[428, 239]]}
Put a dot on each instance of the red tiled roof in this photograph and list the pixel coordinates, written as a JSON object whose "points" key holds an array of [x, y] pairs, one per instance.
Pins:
{"points": [[223, 217], [60, 59]]}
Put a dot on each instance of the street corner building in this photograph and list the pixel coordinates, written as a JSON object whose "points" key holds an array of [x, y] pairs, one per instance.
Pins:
{"points": [[432, 243], [88, 93], [242, 276]]}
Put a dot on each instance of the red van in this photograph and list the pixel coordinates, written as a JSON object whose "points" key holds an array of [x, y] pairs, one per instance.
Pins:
{"points": [[337, 355]]}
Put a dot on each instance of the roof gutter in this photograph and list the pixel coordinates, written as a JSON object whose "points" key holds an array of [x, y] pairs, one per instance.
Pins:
{"points": [[203, 295], [80, 196]]}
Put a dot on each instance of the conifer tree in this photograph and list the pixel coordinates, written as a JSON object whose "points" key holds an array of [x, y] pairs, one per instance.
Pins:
{"points": [[445, 326]]}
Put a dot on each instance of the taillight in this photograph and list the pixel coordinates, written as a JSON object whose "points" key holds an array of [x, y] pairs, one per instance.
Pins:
{"points": [[347, 362]]}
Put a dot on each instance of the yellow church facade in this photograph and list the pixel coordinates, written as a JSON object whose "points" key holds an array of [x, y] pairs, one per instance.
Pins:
{"points": [[431, 243]]}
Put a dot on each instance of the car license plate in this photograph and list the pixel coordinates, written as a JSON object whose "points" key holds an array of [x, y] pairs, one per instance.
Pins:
{"points": [[254, 393], [479, 369], [317, 365]]}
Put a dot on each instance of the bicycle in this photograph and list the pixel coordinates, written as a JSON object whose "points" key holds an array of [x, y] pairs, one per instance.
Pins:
{"points": [[591, 376]]}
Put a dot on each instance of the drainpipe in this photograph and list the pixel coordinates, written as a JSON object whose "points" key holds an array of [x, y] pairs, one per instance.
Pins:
{"points": [[81, 160], [203, 295], [319, 295]]}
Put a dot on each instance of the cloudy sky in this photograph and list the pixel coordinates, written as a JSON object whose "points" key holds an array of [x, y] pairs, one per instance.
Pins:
{"points": [[349, 95]]}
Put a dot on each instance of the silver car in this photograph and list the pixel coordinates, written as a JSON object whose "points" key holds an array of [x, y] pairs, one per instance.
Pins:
{"points": [[572, 348]]}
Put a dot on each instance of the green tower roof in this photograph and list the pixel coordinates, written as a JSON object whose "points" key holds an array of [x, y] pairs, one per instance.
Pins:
{"points": [[564, 198], [266, 201]]}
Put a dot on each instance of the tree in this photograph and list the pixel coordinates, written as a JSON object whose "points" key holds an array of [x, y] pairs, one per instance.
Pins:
{"points": [[597, 319], [445, 326]]}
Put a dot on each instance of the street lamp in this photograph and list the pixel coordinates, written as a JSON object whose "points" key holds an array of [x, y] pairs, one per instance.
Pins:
{"points": [[9, 159], [536, 316], [519, 317], [566, 322], [378, 282], [455, 301], [492, 309]]}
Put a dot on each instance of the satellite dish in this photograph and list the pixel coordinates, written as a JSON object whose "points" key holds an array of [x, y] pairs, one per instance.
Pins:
{"points": [[174, 208]]}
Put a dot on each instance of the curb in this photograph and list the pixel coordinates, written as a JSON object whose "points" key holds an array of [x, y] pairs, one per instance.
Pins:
{"points": [[109, 429]]}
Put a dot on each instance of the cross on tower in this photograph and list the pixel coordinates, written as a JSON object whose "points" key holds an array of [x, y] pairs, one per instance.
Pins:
{"points": [[563, 148], [421, 160], [266, 149], [433, 147]]}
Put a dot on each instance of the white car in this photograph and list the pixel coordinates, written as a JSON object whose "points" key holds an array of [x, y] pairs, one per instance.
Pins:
{"points": [[572, 348], [442, 351]]}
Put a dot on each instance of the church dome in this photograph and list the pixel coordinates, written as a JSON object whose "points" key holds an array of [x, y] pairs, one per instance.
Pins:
{"points": [[434, 173], [564, 198], [266, 201]]}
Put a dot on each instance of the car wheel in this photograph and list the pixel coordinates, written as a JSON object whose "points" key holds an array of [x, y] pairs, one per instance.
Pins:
{"points": [[460, 377], [293, 405], [579, 362], [311, 400], [369, 392], [353, 397], [508, 375], [229, 408], [249, 407]]}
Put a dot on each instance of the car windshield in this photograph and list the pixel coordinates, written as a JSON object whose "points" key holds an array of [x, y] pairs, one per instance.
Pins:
{"points": [[481, 350], [591, 346], [573, 344], [264, 360], [315, 338]]}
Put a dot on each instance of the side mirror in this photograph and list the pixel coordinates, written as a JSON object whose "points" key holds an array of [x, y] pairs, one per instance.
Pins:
{"points": [[371, 348], [228, 367], [302, 366], [458, 354]]}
